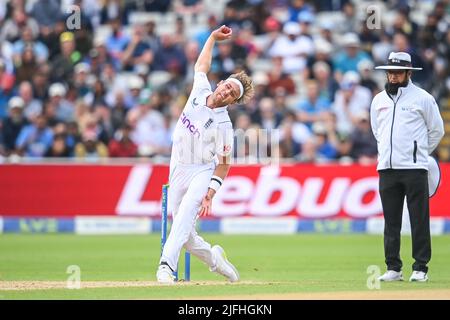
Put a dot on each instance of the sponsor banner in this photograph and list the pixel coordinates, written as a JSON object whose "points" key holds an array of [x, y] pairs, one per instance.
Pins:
{"points": [[269, 226], [38, 225], [332, 226], [258, 225], [437, 226], [300, 191], [112, 225]]}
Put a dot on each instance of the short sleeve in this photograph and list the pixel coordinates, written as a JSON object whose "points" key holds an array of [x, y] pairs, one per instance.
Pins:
{"points": [[201, 82]]}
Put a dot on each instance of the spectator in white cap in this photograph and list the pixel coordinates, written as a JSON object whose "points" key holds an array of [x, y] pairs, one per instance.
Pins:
{"points": [[350, 100], [407, 125], [352, 54], [293, 47], [135, 86], [64, 109], [13, 123], [81, 78]]}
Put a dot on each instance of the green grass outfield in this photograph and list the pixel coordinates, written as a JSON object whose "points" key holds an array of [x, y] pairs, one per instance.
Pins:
{"points": [[272, 266]]}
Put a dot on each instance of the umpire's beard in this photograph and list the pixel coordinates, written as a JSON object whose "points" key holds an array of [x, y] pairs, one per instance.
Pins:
{"points": [[392, 88]]}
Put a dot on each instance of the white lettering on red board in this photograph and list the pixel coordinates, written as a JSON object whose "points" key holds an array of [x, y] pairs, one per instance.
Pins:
{"points": [[240, 195]]}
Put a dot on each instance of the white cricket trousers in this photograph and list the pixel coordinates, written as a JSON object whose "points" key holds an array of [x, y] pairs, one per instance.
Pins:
{"points": [[188, 185]]}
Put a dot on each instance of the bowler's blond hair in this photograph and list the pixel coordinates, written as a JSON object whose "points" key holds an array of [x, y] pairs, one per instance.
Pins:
{"points": [[247, 84]]}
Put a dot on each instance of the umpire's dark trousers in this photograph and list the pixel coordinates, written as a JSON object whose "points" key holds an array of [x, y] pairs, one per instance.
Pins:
{"points": [[395, 184]]}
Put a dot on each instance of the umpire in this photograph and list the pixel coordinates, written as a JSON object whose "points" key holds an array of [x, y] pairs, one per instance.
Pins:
{"points": [[407, 126]]}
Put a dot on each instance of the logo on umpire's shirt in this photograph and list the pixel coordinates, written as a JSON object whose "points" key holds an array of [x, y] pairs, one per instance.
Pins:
{"points": [[208, 123], [194, 103]]}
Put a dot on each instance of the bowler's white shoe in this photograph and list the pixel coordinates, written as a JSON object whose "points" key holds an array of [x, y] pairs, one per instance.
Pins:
{"points": [[418, 276], [391, 275], [165, 275], [223, 266]]}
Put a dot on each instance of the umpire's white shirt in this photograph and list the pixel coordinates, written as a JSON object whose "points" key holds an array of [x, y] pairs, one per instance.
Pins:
{"points": [[407, 127], [201, 133]]}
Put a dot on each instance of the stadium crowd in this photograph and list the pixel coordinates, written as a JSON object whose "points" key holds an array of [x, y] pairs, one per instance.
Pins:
{"points": [[91, 93]]}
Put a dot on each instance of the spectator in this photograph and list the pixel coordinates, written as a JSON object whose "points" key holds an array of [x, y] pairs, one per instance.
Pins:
{"points": [[280, 79], [116, 41], [308, 153], [403, 24], [136, 51], [40, 50], [325, 150], [293, 135], [122, 145], [34, 139], [32, 106], [203, 34], [27, 65], [151, 37], [327, 85], [100, 57], [81, 78], [191, 51], [179, 35], [365, 68], [62, 66], [350, 22], [13, 124], [64, 109], [47, 12], [114, 10], [272, 31], [170, 56], [268, 117], [323, 53], [62, 129], [363, 143], [293, 47], [149, 133], [40, 82], [90, 147], [326, 31], [296, 7], [382, 48], [13, 26], [118, 111], [6, 87], [351, 99], [229, 57], [59, 148], [313, 107], [348, 59], [305, 19]]}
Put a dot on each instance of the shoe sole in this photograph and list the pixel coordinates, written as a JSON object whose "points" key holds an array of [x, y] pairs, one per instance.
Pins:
{"points": [[382, 280], [416, 280], [224, 255]]}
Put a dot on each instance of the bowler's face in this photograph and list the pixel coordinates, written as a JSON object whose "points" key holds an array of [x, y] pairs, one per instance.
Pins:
{"points": [[226, 93]]}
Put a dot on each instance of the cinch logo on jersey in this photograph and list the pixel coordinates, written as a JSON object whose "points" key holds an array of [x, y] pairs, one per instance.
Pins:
{"points": [[185, 120]]}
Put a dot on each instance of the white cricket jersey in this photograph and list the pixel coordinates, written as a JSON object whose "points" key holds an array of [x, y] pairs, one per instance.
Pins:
{"points": [[201, 133]]}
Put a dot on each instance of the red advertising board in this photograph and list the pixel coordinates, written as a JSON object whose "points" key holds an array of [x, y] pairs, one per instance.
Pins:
{"points": [[306, 191]]}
